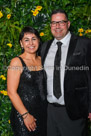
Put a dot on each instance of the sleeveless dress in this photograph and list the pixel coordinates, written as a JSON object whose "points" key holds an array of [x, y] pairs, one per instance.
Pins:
{"points": [[32, 91]]}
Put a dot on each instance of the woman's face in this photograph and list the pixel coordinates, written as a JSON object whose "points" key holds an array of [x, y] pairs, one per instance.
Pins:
{"points": [[30, 43]]}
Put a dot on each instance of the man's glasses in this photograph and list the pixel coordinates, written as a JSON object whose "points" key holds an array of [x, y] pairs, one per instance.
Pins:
{"points": [[61, 23]]}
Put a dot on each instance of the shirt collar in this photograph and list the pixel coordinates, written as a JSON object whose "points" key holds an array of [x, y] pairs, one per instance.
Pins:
{"points": [[65, 40]]}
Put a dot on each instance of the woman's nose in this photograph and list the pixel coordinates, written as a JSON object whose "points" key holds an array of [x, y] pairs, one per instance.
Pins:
{"points": [[30, 42]]}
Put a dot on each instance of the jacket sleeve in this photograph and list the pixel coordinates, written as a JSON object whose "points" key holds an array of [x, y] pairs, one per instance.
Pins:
{"points": [[89, 65]]}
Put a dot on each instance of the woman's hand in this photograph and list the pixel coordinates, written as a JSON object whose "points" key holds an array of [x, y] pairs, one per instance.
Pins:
{"points": [[30, 122]]}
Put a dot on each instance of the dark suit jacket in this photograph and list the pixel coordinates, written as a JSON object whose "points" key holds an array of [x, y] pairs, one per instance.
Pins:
{"points": [[77, 80]]}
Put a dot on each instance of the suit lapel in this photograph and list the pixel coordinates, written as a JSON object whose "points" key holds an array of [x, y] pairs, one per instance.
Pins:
{"points": [[71, 49], [46, 50]]}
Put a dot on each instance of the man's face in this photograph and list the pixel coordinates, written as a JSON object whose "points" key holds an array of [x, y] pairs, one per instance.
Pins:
{"points": [[59, 25]]}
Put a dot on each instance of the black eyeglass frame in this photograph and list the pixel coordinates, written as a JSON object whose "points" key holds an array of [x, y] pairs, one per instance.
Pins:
{"points": [[54, 23]]}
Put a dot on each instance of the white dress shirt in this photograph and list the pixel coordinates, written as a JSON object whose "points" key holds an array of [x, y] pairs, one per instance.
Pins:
{"points": [[49, 68]]}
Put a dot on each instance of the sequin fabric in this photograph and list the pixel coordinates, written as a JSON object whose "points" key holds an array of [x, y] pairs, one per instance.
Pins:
{"points": [[32, 91]]}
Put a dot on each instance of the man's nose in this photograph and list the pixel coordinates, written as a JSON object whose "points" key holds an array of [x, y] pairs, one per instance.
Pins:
{"points": [[57, 25]]}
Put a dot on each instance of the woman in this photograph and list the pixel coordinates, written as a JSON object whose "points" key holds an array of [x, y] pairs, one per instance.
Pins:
{"points": [[26, 87]]}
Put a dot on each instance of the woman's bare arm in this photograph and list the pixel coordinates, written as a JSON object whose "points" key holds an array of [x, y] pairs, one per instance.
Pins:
{"points": [[13, 78]]}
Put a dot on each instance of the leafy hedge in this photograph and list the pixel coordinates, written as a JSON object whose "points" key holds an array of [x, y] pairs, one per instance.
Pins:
{"points": [[14, 15]]}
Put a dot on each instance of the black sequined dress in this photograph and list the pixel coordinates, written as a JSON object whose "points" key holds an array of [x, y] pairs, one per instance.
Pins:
{"points": [[32, 91]]}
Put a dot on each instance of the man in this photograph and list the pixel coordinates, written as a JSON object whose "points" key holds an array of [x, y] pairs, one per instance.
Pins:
{"points": [[69, 103]]}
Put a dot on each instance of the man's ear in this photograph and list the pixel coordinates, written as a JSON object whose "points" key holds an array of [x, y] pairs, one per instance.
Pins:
{"points": [[69, 24]]}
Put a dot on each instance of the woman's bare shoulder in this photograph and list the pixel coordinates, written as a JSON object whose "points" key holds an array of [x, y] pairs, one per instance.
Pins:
{"points": [[15, 62]]}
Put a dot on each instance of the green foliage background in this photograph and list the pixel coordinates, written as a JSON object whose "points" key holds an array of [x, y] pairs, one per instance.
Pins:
{"points": [[79, 12]]}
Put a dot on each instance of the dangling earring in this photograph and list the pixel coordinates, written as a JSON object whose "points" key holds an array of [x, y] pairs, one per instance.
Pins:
{"points": [[22, 49]]}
